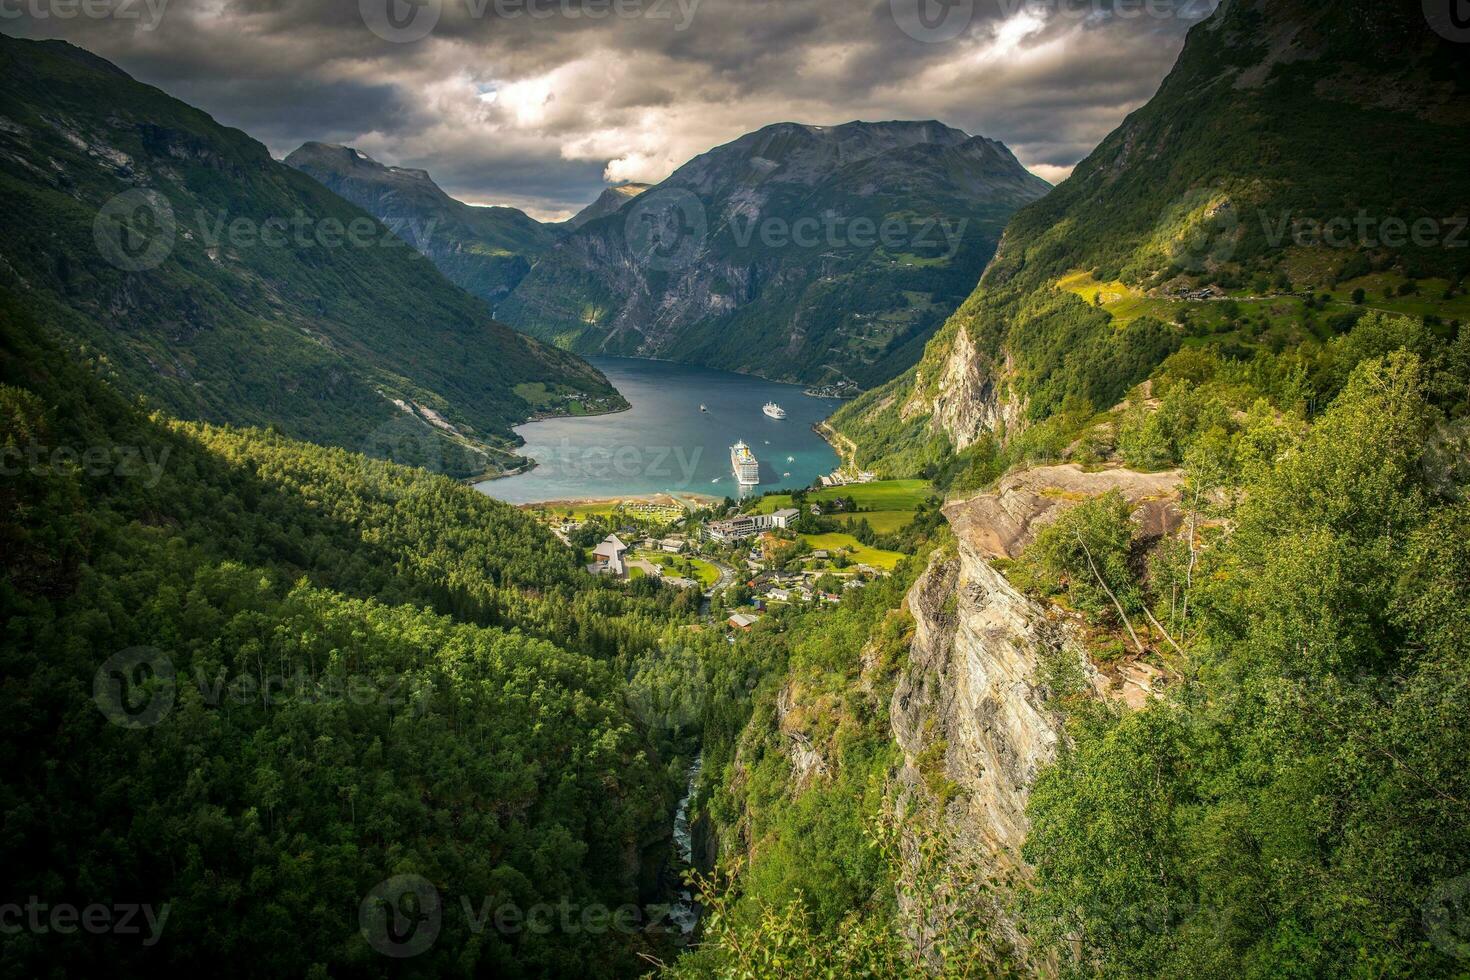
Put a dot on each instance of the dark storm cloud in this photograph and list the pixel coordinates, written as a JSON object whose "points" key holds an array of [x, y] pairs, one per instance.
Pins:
{"points": [[503, 107]]}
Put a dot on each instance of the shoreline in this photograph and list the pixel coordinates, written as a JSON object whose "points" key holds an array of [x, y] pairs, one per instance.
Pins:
{"points": [[658, 497]]}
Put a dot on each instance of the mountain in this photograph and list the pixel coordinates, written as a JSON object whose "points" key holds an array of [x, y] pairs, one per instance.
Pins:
{"points": [[484, 250], [1292, 158], [607, 202], [812, 253], [192, 267]]}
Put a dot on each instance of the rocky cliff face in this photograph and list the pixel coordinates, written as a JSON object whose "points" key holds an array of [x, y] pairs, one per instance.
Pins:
{"points": [[971, 712], [484, 250], [967, 399], [811, 253], [972, 706]]}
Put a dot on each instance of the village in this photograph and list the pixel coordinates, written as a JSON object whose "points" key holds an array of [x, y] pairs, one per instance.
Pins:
{"points": [[750, 559]]}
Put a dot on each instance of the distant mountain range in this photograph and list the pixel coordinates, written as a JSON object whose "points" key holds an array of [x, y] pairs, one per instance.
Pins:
{"points": [[484, 250], [805, 253], [195, 269]]}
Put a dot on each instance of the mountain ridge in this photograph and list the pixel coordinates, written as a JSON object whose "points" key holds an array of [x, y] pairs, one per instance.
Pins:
{"points": [[773, 263], [231, 288]]}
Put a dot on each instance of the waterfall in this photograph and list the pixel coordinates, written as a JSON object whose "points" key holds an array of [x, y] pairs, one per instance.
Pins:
{"points": [[682, 913]]}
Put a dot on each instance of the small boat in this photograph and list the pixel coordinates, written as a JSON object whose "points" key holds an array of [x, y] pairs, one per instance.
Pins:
{"points": [[703, 409], [715, 480], [790, 459], [774, 411], [786, 474]]}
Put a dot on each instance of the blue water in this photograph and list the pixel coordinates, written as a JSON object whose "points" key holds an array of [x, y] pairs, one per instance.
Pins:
{"points": [[665, 443]]}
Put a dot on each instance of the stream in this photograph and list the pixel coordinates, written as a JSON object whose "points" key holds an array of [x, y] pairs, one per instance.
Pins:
{"points": [[683, 912]]}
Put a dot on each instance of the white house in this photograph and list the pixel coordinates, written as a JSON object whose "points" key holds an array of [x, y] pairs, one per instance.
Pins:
{"points": [[609, 555]]}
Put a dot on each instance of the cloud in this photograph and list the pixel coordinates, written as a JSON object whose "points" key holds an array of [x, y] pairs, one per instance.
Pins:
{"points": [[537, 103]]}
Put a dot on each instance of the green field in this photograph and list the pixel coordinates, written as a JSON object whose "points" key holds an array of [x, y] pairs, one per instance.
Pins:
{"points": [[702, 571], [881, 521], [858, 552], [884, 495]]}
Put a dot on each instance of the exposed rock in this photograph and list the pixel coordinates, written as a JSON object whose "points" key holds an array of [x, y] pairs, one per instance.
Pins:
{"points": [[1000, 524], [974, 686]]}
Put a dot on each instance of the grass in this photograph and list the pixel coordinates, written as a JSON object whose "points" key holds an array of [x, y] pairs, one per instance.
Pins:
{"points": [[856, 550], [884, 495], [881, 521], [702, 571]]}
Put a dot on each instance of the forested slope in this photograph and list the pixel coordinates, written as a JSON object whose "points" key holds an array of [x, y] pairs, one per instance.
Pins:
{"points": [[250, 678]]}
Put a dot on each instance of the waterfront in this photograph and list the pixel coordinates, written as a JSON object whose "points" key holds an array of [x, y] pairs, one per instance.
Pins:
{"points": [[664, 443]]}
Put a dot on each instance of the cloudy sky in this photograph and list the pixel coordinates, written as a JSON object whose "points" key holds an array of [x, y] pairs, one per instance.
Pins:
{"points": [[539, 103]]}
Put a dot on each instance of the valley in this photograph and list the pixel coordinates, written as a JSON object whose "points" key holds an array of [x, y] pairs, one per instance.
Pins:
{"points": [[836, 553]]}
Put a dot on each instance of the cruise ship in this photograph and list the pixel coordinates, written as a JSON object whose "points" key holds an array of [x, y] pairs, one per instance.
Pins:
{"points": [[743, 462], [774, 411]]}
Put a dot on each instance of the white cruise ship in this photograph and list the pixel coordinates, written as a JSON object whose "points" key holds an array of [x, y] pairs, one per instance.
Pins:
{"points": [[774, 411], [747, 469]]}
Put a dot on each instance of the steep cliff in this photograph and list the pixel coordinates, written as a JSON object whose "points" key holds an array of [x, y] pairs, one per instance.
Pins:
{"points": [[1200, 220], [811, 253], [973, 711]]}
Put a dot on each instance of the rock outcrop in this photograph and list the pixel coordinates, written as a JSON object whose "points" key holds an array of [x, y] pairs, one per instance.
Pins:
{"points": [[973, 710]]}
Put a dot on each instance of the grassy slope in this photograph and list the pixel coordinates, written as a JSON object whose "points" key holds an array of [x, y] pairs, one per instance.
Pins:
{"points": [[1184, 194]]}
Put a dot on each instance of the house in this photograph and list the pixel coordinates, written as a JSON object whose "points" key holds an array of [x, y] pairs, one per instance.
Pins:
{"points": [[743, 621], [609, 555], [778, 595], [817, 510]]}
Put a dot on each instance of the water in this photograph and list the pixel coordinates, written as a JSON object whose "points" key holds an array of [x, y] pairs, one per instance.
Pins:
{"points": [[664, 443], [683, 912]]}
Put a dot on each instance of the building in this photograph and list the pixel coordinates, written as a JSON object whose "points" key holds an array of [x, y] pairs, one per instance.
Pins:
{"points": [[743, 621], [609, 555], [745, 525]]}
